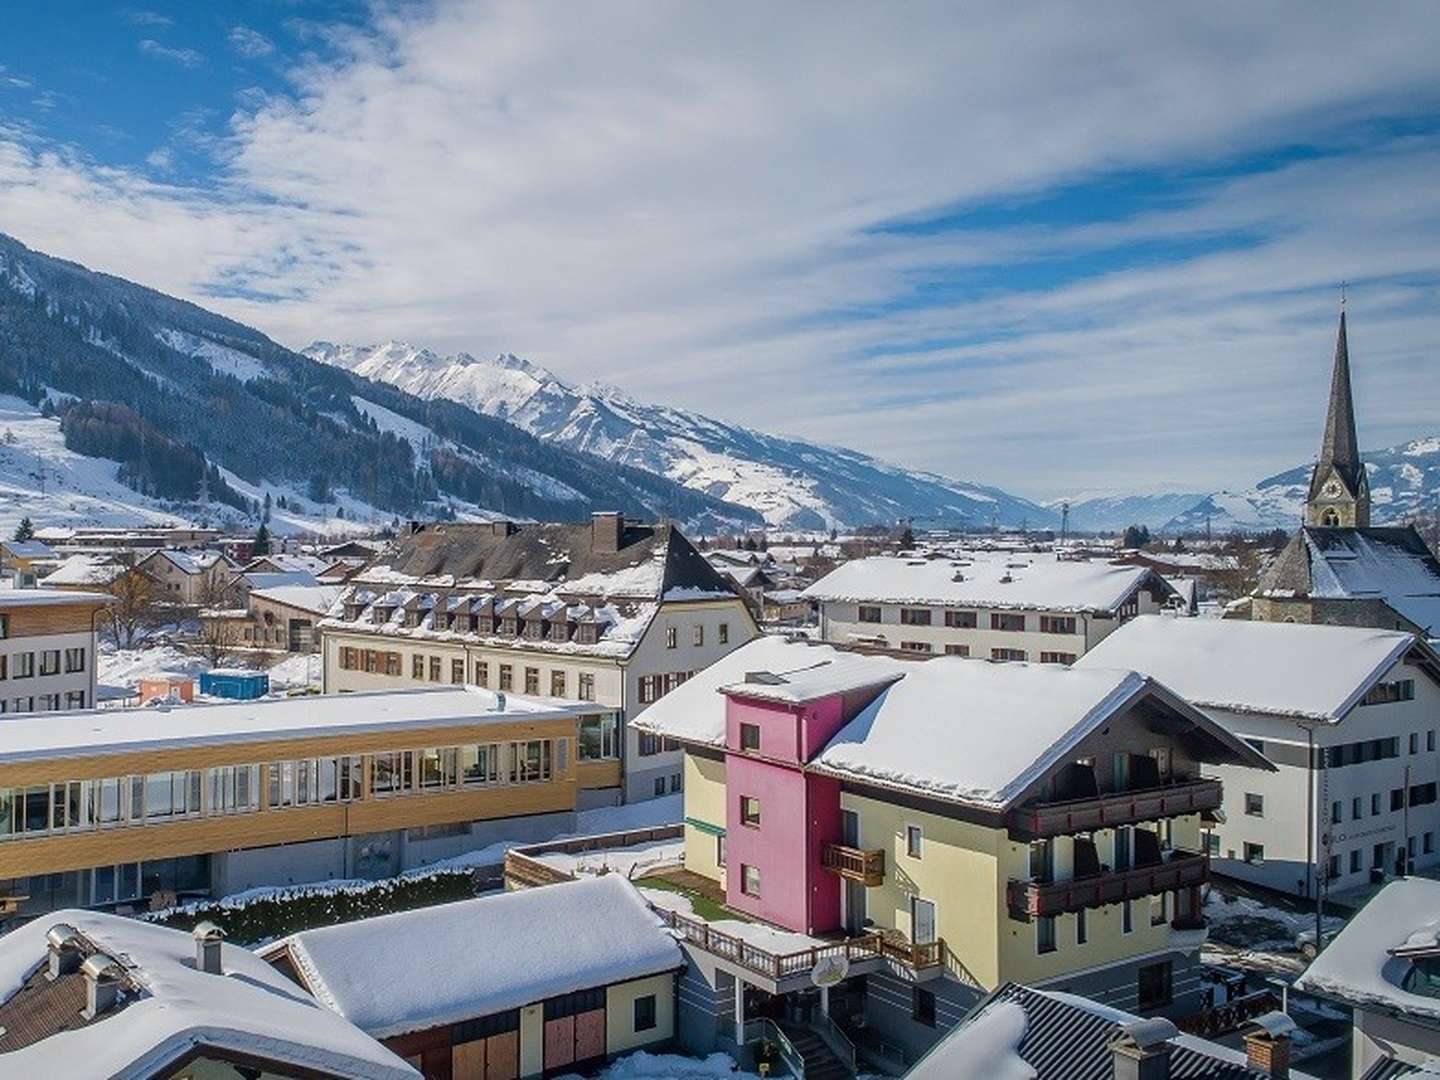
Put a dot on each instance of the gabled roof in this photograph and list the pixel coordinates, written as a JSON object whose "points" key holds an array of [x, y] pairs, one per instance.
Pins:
{"points": [[171, 1009], [827, 676], [29, 549], [1019, 1033], [317, 599], [84, 570], [188, 562], [1284, 669], [986, 581], [416, 970], [1365, 965]]}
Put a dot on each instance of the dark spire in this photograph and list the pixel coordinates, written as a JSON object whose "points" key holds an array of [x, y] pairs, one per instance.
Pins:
{"points": [[1341, 449]]}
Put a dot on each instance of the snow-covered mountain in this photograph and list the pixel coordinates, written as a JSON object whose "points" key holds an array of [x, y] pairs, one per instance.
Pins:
{"points": [[792, 483], [1404, 481]]}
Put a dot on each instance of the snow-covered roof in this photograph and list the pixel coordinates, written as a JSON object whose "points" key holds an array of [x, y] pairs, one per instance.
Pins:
{"points": [[695, 710], [416, 970], [84, 570], [1358, 966], [318, 599], [29, 549], [128, 730], [293, 564], [835, 674], [187, 561], [274, 579], [975, 731], [248, 1009], [1289, 669], [18, 598], [984, 581]]}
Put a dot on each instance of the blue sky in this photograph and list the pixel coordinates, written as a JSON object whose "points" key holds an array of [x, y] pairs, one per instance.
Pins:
{"points": [[1054, 249]]}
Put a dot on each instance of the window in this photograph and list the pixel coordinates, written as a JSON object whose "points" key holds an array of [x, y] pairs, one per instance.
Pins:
{"points": [[457, 671], [672, 637], [1397, 799], [659, 786], [1356, 861], [1374, 804], [1386, 692], [50, 662], [720, 850], [960, 620], [530, 761], [4, 626], [1007, 654], [1254, 804], [1045, 934], [868, 613], [699, 635], [913, 840], [922, 1006], [724, 632], [1429, 735], [916, 647], [1127, 914], [482, 673], [749, 736], [1042, 860], [434, 669], [585, 689], [532, 680], [1335, 868], [649, 744], [1057, 624], [957, 650], [1427, 843], [749, 879], [1337, 812], [674, 783], [1159, 909], [1057, 658], [392, 773], [1414, 742], [1002, 621], [1212, 844], [24, 666], [417, 666], [1153, 986], [1254, 854], [1356, 813], [911, 616], [1082, 928], [479, 764], [650, 688], [750, 811], [74, 699], [74, 661], [645, 1013], [599, 737], [507, 677], [1423, 794]]}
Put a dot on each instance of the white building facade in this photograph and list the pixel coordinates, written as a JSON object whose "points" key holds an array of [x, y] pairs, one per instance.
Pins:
{"points": [[47, 649], [994, 607]]}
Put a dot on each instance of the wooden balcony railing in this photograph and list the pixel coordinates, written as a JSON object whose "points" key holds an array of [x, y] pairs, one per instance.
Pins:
{"points": [[778, 966], [1028, 899], [1122, 808], [854, 864]]}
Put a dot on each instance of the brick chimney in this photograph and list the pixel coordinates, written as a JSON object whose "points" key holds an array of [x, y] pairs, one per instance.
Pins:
{"points": [[606, 528], [1142, 1050], [1267, 1044]]}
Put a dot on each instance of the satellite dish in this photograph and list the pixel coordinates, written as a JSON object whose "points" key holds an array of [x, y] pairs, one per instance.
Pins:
{"points": [[829, 970]]}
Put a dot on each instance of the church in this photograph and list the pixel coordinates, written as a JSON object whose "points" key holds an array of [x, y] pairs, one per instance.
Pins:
{"points": [[1339, 569]]}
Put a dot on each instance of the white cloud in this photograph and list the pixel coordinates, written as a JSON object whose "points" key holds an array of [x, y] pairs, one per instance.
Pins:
{"points": [[684, 201], [188, 58], [249, 43], [150, 18]]}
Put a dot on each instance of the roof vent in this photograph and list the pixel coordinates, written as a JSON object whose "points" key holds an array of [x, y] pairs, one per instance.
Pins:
{"points": [[102, 984], [63, 943], [500, 701], [764, 678], [208, 938], [959, 577], [1005, 578]]}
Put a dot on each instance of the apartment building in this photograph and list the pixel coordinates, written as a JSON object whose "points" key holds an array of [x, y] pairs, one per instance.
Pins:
{"points": [[130, 807], [47, 649], [1350, 716], [966, 823], [88, 994], [522, 997], [986, 605], [189, 578], [280, 619], [611, 612]]}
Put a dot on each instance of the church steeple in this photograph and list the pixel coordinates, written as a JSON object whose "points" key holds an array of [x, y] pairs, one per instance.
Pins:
{"points": [[1339, 489]]}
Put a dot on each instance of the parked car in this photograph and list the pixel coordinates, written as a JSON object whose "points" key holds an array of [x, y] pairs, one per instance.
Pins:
{"points": [[1305, 942]]}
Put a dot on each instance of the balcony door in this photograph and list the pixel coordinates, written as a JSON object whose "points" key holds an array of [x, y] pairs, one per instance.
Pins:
{"points": [[922, 921], [855, 900]]}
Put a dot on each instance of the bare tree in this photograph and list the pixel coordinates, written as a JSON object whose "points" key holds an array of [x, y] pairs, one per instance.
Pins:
{"points": [[217, 639], [135, 609]]}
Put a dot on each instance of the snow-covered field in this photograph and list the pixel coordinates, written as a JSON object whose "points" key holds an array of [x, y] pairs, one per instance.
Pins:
{"points": [[645, 1066], [1249, 934]]}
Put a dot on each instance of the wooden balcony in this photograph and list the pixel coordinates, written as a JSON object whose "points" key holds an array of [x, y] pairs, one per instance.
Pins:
{"points": [[854, 864], [1122, 808], [1028, 899]]}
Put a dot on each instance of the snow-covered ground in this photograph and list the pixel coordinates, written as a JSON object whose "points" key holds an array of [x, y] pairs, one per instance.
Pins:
{"points": [[646, 1066], [758, 934], [628, 861], [1247, 933], [126, 667]]}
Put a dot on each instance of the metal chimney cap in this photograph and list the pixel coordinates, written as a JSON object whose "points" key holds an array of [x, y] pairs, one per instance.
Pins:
{"points": [[1148, 1032], [1274, 1024], [101, 967], [62, 935], [208, 931]]}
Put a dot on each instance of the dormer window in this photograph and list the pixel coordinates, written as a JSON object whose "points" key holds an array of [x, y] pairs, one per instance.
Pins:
{"points": [[534, 629], [587, 633]]}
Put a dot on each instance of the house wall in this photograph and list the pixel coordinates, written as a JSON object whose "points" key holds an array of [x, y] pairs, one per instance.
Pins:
{"points": [[776, 847], [1282, 828], [22, 695], [704, 804], [620, 1033], [840, 623], [1377, 1036]]}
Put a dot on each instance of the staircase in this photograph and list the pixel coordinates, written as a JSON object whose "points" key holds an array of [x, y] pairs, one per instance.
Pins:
{"points": [[820, 1062]]}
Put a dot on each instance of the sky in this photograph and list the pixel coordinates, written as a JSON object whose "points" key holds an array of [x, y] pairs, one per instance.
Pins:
{"points": [[1054, 248]]}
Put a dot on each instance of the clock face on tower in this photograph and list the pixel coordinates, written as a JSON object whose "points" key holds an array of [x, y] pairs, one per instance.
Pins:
{"points": [[1332, 489]]}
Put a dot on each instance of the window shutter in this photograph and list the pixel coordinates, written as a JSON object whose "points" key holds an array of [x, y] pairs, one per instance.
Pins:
{"points": [[562, 756]]}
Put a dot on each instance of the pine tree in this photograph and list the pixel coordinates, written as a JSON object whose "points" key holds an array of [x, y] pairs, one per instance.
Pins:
{"points": [[25, 530], [261, 544]]}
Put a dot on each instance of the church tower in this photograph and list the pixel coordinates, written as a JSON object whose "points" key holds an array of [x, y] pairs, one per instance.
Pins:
{"points": [[1339, 489]]}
